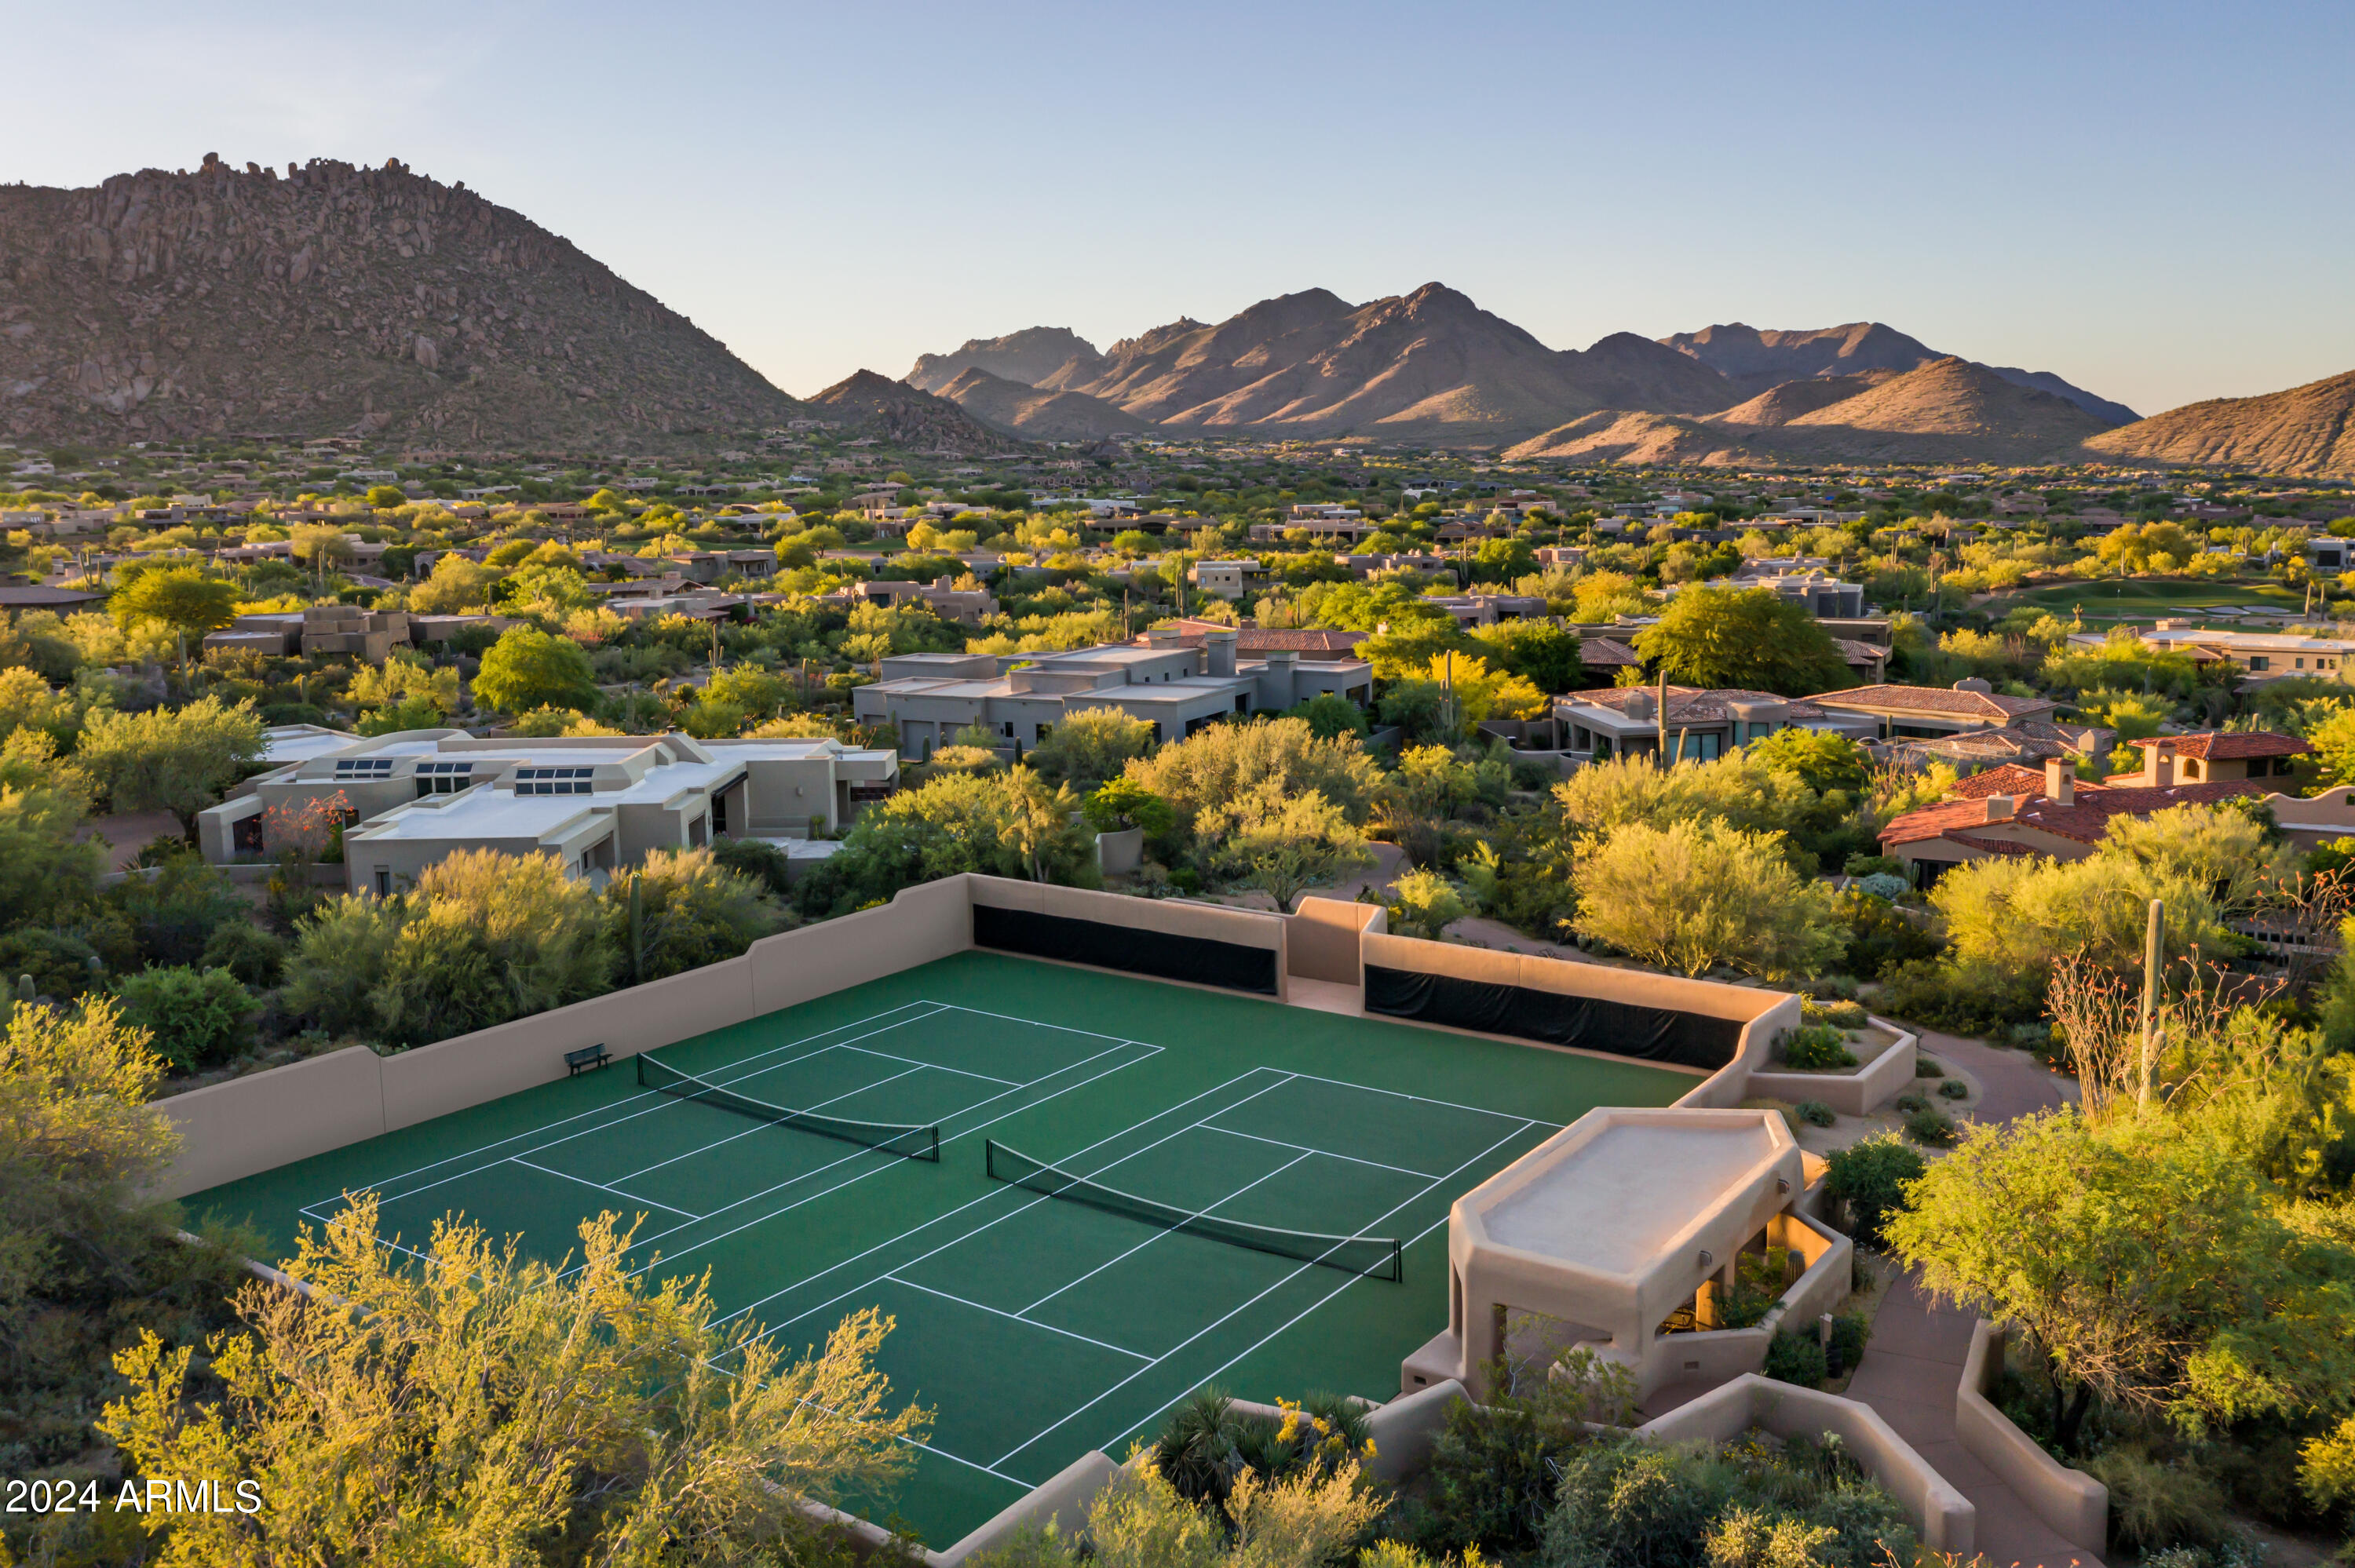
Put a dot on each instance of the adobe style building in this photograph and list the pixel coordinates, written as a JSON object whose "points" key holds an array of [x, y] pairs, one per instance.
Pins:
{"points": [[1625, 721], [1175, 688], [1927, 713], [2017, 810], [2262, 655], [596, 803]]}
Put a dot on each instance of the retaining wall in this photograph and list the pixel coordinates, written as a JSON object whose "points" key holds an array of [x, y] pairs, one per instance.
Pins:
{"points": [[2072, 1503], [273, 1118], [1858, 1093], [1946, 1519]]}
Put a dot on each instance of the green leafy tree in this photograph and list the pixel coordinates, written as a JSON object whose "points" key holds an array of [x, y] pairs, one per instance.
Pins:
{"points": [[484, 1407], [1824, 760], [1121, 803], [199, 1017], [2145, 1263], [1328, 715], [184, 600], [43, 871], [1538, 651], [529, 668], [385, 497], [176, 762], [1744, 639], [1694, 895], [1224, 762], [456, 583], [682, 909], [1091, 747]]}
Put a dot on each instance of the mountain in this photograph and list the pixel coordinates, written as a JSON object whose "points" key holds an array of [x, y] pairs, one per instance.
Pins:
{"points": [[1426, 366], [870, 405], [2307, 432], [1949, 410], [1047, 416], [1028, 357], [1756, 361], [334, 299]]}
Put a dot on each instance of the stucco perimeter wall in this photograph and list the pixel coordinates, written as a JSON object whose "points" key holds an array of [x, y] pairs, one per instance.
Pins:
{"points": [[1062, 1499], [1164, 917], [267, 1119], [2073, 1504], [1945, 1518], [1325, 935], [273, 1118]]}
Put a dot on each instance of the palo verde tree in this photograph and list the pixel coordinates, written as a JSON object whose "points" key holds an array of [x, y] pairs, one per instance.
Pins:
{"points": [[1742, 639]]}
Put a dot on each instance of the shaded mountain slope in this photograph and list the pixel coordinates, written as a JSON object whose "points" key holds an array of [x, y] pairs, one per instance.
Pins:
{"points": [[1028, 357], [2307, 431], [872, 404], [1034, 412]]}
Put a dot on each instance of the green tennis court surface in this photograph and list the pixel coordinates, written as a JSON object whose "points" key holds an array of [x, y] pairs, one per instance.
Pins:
{"points": [[1037, 1326]]}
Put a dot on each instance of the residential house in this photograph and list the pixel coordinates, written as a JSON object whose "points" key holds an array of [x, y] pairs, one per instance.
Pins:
{"points": [[2263, 655], [2211, 756], [1228, 579], [1176, 688], [1928, 712], [2056, 815], [1313, 645], [971, 606], [2033, 742], [1702, 723], [597, 803]]}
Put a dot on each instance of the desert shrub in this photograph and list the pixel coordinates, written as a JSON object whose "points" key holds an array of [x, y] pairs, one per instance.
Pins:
{"points": [[1928, 1068], [1882, 886], [199, 1017], [756, 860], [1635, 1503], [1694, 895], [1838, 1013], [1879, 937], [2153, 1504], [1815, 1047], [1849, 1332], [1815, 1113], [175, 912], [1868, 1178], [681, 909], [1954, 1089], [246, 950], [1910, 1103], [1794, 1357], [1493, 1467], [61, 965], [1931, 1127]]}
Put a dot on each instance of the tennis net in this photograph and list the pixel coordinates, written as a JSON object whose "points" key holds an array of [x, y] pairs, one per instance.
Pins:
{"points": [[1376, 1258], [909, 1142]]}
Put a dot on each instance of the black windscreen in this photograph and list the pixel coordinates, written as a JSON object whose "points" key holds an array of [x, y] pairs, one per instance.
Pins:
{"points": [[1229, 965], [1590, 1024]]}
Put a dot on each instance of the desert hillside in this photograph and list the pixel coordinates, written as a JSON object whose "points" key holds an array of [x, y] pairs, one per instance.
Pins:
{"points": [[2307, 431], [1019, 409], [1028, 357], [867, 404], [332, 300]]}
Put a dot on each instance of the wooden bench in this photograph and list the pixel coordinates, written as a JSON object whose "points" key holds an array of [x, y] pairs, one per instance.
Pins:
{"points": [[580, 1061]]}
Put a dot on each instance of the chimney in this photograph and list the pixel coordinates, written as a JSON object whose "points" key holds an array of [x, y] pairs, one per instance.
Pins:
{"points": [[1999, 807], [2060, 781], [1162, 638], [1219, 653], [2162, 766]]}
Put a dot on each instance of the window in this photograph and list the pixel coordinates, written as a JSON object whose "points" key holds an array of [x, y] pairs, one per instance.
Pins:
{"points": [[553, 781], [384, 882], [443, 778], [357, 768], [2259, 661]]}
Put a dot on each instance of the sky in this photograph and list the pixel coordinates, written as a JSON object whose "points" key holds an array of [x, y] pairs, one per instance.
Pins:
{"points": [[2150, 199]]}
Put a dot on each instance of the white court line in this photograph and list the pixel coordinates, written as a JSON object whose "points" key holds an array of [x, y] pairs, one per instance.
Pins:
{"points": [[935, 1067], [1033, 1022], [968, 1132], [1290, 1323], [1156, 1235], [1252, 1301], [759, 1126], [974, 1203], [602, 1187], [994, 1312], [378, 1186], [1420, 1099], [1279, 1143]]}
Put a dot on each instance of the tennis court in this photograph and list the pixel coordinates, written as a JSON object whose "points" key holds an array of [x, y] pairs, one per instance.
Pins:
{"points": [[1189, 1186]]}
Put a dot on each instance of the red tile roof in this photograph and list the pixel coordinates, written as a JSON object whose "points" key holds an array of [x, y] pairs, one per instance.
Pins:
{"points": [[1603, 653], [2084, 821], [1934, 700], [2222, 745], [2011, 779]]}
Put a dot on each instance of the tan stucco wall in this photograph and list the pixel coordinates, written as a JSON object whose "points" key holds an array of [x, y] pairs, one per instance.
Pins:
{"points": [[1324, 939], [264, 1119]]}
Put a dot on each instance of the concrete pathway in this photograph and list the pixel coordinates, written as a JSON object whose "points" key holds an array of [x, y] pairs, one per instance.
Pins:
{"points": [[1911, 1368], [1913, 1363]]}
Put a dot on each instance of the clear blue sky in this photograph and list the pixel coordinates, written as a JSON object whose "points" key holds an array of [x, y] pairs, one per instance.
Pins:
{"points": [[2151, 199]]}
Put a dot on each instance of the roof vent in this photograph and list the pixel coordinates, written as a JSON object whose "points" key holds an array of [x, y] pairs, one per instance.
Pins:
{"points": [[1638, 705]]}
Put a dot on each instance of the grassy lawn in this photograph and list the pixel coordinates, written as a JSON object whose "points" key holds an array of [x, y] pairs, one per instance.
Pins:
{"points": [[2142, 598]]}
